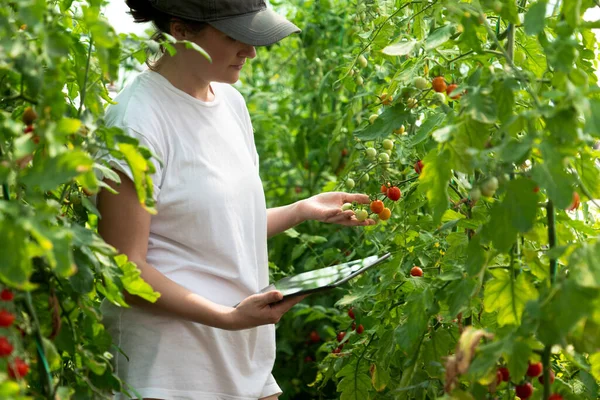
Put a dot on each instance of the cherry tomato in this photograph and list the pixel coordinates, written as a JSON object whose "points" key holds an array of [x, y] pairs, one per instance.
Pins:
{"points": [[541, 378], [439, 84], [6, 318], [524, 391], [377, 206], [314, 336], [384, 189], [18, 368], [5, 347], [419, 167], [360, 329], [340, 336], [420, 83], [351, 313], [451, 89], [555, 396], [29, 115], [534, 369], [505, 374], [393, 193], [6, 295], [416, 271], [385, 214]]}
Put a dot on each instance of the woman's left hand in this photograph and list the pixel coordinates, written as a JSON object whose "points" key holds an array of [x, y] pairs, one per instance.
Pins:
{"points": [[327, 207]]}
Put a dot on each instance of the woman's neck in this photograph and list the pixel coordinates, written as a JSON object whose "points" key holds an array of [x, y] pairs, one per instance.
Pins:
{"points": [[180, 76]]}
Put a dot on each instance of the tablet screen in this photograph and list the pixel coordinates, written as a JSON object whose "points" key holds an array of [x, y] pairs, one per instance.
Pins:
{"points": [[319, 278]]}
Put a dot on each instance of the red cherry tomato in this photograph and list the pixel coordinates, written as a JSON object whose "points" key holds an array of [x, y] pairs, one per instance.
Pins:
{"points": [[6, 319], [377, 206], [360, 329], [6, 295], [439, 84], [393, 193], [419, 167], [5, 347], [340, 336], [351, 313], [416, 271], [524, 391], [534, 369]]}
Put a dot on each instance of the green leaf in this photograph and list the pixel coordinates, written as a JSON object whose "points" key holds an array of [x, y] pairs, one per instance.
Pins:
{"points": [[550, 174], [391, 119], [16, 261], [439, 37], [567, 307], [418, 303], [400, 48], [509, 12], [571, 10], [476, 258], [520, 204], [133, 282], [49, 173], [584, 265], [592, 118], [508, 296], [480, 106], [434, 181], [352, 389], [534, 18], [427, 126], [595, 364], [460, 295]]}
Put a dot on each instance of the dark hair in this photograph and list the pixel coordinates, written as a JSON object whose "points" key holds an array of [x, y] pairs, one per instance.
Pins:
{"points": [[142, 11]]}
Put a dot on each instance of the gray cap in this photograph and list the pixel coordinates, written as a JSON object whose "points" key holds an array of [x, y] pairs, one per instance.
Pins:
{"points": [[249, 21]]}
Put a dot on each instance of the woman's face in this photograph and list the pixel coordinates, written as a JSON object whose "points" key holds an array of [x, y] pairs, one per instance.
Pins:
{"points": [[228, 56]]}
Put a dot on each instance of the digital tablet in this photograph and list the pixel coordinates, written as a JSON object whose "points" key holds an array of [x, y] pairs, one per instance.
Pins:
{"points": [[324, 278]]}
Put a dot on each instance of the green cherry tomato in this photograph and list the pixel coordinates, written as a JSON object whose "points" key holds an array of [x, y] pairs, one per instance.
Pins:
{"points": [[388, 144], [347, 206], [350, 183], [365, 178], [420, 83], [361, 215], [371, 153], [384, 157]]}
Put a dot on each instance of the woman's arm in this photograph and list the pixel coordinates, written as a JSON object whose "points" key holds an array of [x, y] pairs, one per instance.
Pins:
{"points": [[126, 226], [324, 207]]}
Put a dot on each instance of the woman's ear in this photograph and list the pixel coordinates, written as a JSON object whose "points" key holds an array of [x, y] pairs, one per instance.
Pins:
{"points": [[178, 30]]}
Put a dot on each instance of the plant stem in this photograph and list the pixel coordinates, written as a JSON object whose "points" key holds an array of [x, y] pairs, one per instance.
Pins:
{"points": [[552, 244], [85, 79]]}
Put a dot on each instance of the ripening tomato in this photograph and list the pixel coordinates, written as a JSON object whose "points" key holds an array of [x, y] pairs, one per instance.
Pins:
{"points": [[384, 189], [416, 271], [6, 295], [555, 396], [18, 368], [393, 193], [524, 391], [419, 167], [385, 214], [5, 347], [439, 84], [360, 329], [534, 369], [451, 89], [377, 206], [6, 319], [351, 313], [314, 336], [552, 377]]}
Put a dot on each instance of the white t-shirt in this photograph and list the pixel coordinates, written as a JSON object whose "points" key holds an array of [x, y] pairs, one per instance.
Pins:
{"points": [[209, 235]]}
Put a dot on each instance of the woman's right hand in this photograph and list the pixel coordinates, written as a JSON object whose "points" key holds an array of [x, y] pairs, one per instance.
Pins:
{"points": [[260, 309]]}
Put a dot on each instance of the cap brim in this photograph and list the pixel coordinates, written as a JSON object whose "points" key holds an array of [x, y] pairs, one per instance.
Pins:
{"points": [[261, 28]]}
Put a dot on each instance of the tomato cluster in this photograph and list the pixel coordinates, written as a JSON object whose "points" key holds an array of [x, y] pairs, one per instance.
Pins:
{"points": [[524, 389]]}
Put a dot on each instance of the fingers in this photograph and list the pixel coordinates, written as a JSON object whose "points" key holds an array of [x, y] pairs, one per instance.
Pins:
{"points": [[284, 306], [357, 197], [270, 297]]}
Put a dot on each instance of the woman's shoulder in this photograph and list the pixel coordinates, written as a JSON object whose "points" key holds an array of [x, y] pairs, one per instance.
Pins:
{"points": [[135, 104]]}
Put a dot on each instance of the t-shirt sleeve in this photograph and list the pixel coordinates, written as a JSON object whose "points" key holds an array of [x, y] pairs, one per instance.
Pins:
{"points": [[157, 161]]}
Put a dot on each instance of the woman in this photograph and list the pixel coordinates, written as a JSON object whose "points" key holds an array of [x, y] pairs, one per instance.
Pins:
{"points": [[206, 248]]}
